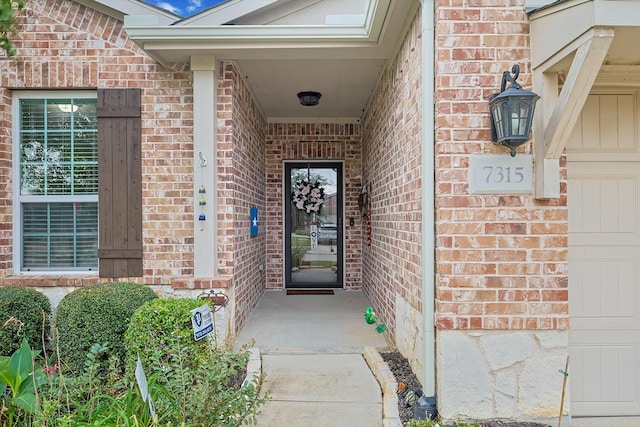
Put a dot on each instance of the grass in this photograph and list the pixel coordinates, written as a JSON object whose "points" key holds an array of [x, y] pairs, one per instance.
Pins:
{"points": [[325, 264]]}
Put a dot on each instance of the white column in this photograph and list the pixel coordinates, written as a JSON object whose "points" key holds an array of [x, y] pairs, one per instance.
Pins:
{"points": [[204, 165]]}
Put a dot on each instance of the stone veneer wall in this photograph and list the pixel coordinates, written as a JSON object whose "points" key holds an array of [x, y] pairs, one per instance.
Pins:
{"points": [[241, 185], [391, 165], [312, 141], [501, 260], [501, 374]]}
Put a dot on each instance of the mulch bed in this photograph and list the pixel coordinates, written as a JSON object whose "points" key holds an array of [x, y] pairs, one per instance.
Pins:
{"points": [[401, 369], [235, 382]]}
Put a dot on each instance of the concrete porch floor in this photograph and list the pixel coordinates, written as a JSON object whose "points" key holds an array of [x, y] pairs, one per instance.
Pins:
{"points": [[606, 422], [311, 348], [311, 324]]}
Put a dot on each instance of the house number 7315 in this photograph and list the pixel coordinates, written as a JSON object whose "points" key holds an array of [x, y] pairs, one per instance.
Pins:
{"points": [[501, 174]]}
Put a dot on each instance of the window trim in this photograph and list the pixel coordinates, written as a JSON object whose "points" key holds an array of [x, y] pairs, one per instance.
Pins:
{"points": [[18, 199]]}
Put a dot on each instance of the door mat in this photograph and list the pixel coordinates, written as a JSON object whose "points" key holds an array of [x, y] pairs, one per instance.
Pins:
{"points": [[309, 291]]}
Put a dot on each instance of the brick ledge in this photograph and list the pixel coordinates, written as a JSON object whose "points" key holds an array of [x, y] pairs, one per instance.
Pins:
{"points": [[50, 281], [202, 282]]}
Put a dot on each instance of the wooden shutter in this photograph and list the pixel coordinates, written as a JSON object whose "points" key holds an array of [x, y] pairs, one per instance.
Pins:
{"points": [[119, 183]]}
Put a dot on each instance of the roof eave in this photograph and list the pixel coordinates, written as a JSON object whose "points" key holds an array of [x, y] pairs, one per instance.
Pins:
{"points": [[235, 41], [240, 42], [119, 9]]}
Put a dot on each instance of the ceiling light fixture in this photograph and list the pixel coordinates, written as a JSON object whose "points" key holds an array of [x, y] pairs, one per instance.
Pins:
{"points": [[309, 99]]}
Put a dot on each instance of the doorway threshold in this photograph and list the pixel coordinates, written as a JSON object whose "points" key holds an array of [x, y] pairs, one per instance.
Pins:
{"points": [[309, 291]]}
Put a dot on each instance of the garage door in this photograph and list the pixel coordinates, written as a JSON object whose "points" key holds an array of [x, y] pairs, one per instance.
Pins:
{"points": [[604, 257]]}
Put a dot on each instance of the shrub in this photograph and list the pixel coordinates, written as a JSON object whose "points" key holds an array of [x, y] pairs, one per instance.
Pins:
{"points": [[157, 327], [97, 314], [203, 382], [24, 313]]}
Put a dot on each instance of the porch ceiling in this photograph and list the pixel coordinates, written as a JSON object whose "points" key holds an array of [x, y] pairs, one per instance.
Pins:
{"points": [[343, 62]]}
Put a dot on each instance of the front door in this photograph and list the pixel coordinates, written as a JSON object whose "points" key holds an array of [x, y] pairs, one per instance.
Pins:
{"points": [[313, 225]]}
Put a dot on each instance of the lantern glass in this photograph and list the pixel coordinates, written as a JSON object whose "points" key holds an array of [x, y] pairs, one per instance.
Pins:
{"points": [[521, 117]]}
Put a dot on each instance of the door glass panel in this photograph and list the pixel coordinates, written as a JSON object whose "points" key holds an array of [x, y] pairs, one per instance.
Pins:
{"points": [[314, 238]]}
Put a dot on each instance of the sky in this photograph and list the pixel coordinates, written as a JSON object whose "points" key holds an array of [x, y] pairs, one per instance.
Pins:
{"points": [[184, 7]]}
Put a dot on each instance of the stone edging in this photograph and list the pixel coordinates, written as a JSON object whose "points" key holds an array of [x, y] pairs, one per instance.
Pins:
{"points": [[388, 385], [254, 366]]}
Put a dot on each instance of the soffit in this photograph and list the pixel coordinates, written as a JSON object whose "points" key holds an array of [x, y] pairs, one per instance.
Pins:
{"points": [[343, 60]]}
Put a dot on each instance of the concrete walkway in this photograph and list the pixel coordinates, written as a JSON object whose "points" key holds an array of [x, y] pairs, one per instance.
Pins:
{"points": [[311, 349]]}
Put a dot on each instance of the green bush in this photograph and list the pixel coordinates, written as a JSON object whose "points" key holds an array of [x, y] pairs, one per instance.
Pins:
{"points": [[24, 313], [97, 314], [159, 325], [203, 382]]}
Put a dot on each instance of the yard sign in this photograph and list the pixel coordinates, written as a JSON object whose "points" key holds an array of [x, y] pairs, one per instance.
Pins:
{"points": [[202, 321]]}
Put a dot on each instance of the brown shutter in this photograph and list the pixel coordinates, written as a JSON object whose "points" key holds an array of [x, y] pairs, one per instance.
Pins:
{"points": [[119, 183]]}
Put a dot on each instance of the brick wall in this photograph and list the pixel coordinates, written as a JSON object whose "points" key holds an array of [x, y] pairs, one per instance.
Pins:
{"points": [[501, 259], [391, 164], [6, 191], [241, 185], [326, 141], [64, 45]]}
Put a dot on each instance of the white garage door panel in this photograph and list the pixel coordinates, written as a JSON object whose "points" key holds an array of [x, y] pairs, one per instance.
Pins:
{"points": [[604, 285], [604, 377], [603, 203], [607, 128], [609, 279]]}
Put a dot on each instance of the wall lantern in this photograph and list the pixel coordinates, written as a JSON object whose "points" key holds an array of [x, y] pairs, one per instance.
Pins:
{"points": [[309, 99], [511, 112]]}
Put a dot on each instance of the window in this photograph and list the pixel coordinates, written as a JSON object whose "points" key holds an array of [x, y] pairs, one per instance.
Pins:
{"points": [[56, 182]]}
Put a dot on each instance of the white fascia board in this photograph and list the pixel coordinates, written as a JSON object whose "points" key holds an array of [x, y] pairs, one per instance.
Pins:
{"points": [[602, 12], [232, 10], [376, 16], [234, 39], [292, 49], [119, 9], [556, 27], [623, 13], [155, 37], [555, 7], [535, 4], [227, 12], [245, 32]]}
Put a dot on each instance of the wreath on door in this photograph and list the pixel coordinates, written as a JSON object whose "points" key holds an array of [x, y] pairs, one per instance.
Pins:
{"points": [[308, 196]]}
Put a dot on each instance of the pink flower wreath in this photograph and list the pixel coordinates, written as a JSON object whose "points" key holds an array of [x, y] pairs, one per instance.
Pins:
{"points": [[308, 197]]}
